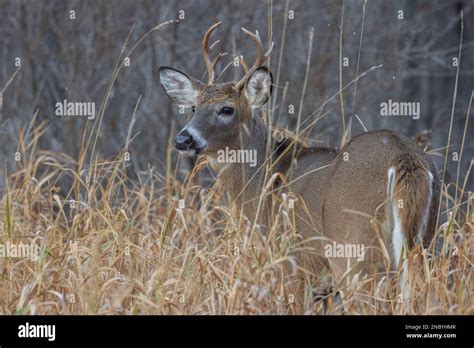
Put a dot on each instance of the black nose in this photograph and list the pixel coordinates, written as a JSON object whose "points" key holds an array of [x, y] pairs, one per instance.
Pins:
{"points": [[183, 140]]}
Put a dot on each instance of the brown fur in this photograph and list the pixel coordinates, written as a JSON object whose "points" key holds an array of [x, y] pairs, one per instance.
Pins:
{"points": [[411, 188], [338, 197], [354, 195], [342, 196]]}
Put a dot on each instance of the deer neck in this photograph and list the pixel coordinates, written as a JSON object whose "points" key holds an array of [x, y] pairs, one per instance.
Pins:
{"points": [[244, 180]]}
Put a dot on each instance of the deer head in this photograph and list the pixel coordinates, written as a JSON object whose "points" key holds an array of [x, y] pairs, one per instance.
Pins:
{"points": [[220, 110]]}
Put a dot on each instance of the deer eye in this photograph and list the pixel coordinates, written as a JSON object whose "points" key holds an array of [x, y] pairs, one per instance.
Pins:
{"points": [[226, 111], [193, 108]]}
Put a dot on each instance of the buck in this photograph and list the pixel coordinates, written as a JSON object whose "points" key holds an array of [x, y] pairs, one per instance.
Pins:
{"points": [[379, 191]]}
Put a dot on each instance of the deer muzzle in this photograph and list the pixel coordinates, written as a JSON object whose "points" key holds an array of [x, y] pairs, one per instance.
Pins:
{"points": [[188, 142]]}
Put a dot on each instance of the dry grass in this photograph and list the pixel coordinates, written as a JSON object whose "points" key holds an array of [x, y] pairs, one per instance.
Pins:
{"points": [[125, 246], [149, 244]]}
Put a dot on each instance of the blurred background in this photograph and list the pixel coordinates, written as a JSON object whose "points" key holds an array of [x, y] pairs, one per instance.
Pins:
{"points": [[74, 59]]}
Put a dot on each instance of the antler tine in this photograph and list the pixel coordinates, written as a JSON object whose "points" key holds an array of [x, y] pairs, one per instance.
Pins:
{"points": [[258, 62], [214, 63], [269, 50], [210, 65], [244, 64]]}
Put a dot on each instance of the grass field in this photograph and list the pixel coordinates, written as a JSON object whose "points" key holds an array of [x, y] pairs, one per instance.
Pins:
{"points": [[112, 245], [115, 239]]}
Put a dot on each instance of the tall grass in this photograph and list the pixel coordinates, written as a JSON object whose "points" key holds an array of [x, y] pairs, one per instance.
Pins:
{"points": [[131, 247], [116, 240]]}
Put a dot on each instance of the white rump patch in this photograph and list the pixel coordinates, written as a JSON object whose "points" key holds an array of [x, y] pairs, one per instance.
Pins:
{"points": [[397, 236], [394, 218], [424, 221]]}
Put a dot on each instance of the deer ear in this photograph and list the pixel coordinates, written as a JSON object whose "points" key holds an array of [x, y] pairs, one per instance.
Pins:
{"points": [[259, 87], [179, 86]]}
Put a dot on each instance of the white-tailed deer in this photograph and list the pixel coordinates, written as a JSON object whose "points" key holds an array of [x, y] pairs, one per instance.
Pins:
{"points": [[380, 188]]}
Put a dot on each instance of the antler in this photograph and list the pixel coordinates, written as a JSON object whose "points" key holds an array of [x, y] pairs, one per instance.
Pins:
{"points": [[210, 64], [244, 65], [261, 57]]}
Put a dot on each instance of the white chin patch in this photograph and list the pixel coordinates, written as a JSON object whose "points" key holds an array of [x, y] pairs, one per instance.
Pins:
{"points": [[189, 153]]}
